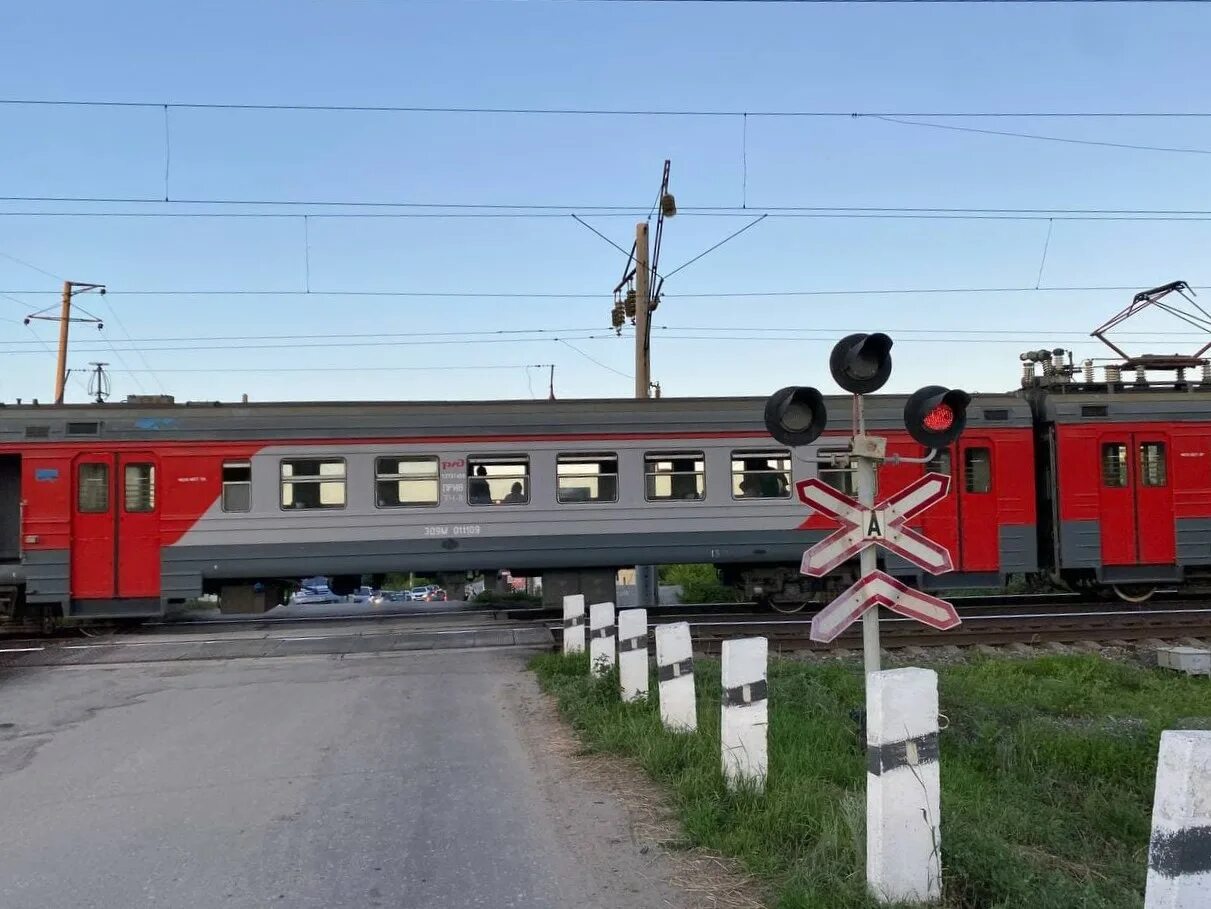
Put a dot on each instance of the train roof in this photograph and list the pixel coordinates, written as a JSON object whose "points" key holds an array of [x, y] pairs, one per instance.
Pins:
{"points": [[1123, 404], [217, 421]]}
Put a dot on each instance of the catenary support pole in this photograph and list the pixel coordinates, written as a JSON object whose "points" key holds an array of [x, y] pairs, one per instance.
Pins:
{"points": [[903, 833], [64, 329]]}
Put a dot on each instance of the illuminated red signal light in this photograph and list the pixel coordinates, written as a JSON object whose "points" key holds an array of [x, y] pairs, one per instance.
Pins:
{"points": [[935, 415], [940, 419]]}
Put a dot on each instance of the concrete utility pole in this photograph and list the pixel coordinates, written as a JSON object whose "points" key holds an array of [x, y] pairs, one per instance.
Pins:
{"points": [[647, 577], [65, 318], [64, 324], [643, 303]]}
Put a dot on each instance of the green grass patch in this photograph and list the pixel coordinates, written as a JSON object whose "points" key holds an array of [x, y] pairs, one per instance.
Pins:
{"points": [[1047, 774]]}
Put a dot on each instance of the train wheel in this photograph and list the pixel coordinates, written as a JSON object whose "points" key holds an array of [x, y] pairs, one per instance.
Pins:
{"points": [[787, 608], [1133, 593]]}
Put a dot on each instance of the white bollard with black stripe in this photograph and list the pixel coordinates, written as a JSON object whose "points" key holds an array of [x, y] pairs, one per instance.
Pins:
{"points": [[745, 712], [573, 623], [633, 653], [903, 790], [675, 677], [602, 638], [1179, 856]]}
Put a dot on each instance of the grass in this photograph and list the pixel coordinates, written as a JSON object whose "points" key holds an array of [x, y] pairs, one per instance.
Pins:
{"points": [[699, 583], [1047, 769]]}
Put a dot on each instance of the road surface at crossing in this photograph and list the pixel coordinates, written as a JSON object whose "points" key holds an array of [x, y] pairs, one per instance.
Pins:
{"points": [[405, 780]]}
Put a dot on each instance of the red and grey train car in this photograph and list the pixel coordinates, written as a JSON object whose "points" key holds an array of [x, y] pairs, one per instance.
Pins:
{"points": [[119, 510], [1125, 484]]}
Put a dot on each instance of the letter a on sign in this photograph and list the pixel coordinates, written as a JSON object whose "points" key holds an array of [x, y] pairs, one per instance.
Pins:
{"points": [[872, 529]]}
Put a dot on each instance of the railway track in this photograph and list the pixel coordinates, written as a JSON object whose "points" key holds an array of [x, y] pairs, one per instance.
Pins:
{"points": [[982, 625]]}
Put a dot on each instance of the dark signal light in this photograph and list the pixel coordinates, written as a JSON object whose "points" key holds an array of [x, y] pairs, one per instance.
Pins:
{"points": [[861, 363], [795, 415], [935, 415]]}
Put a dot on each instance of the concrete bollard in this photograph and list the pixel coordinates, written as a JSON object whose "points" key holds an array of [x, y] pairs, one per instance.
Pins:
{"points": [[633, 653], [573, 623], [903, 790], [745, 713], [601, 638], [1179, 856], [675, 677]]}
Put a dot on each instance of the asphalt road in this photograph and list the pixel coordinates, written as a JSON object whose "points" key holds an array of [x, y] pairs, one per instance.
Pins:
{"points": [[402, 780]]}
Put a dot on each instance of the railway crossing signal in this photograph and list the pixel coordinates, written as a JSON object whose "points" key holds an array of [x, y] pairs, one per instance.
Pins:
{"points": [[882, 525], [861, 363], [880, 589], [935, 415], [795, 415]]}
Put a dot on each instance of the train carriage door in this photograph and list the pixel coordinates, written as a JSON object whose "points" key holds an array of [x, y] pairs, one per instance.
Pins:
{"points": [[1155, 523], [1137, 524], [94, 527], [941, 521], [138, 570], [979, 527]]}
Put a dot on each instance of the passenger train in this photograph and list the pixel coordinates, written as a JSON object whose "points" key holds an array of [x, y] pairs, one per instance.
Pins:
{"points": [[120, 511]]}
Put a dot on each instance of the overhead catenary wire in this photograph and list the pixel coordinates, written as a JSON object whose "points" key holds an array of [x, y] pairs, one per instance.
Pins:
{"points": [[1041, 138], [668, 333], [597, 295], [609, 112], [564, 209], [387, 368]]}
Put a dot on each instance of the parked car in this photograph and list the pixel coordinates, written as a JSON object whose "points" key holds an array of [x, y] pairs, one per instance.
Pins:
{"points": [[313, 596], [391, 596]]}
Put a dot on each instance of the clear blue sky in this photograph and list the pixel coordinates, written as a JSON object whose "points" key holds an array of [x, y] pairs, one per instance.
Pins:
{"points": [[865, 57]]}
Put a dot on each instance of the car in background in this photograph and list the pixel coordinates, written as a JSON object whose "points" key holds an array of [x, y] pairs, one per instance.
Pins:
{"points": [[313, 595], [391, 596]]}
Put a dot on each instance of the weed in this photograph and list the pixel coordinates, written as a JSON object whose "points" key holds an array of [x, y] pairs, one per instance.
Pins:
{"points": [[1047, 775]]}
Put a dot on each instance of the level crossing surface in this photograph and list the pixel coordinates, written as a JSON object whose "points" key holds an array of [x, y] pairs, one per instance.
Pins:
{"points": [[326, 780]]}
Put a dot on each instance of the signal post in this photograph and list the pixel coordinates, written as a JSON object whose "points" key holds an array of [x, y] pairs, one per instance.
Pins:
{"points": [[903, 794]]}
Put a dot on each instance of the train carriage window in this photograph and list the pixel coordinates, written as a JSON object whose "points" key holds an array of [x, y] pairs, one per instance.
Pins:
{"points": [[587, 478], [761, 474], [977, 470], [1152, 464], [313, 483], [403, 481], [939, 463], [1114, 464], [674, 475], [237, 486], [839, 478], [139, 482], [92, 488], [498, 480]]}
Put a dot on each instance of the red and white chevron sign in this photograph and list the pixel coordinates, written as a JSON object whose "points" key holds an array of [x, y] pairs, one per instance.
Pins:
{"points": [[882, 525], [881, 589]]}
